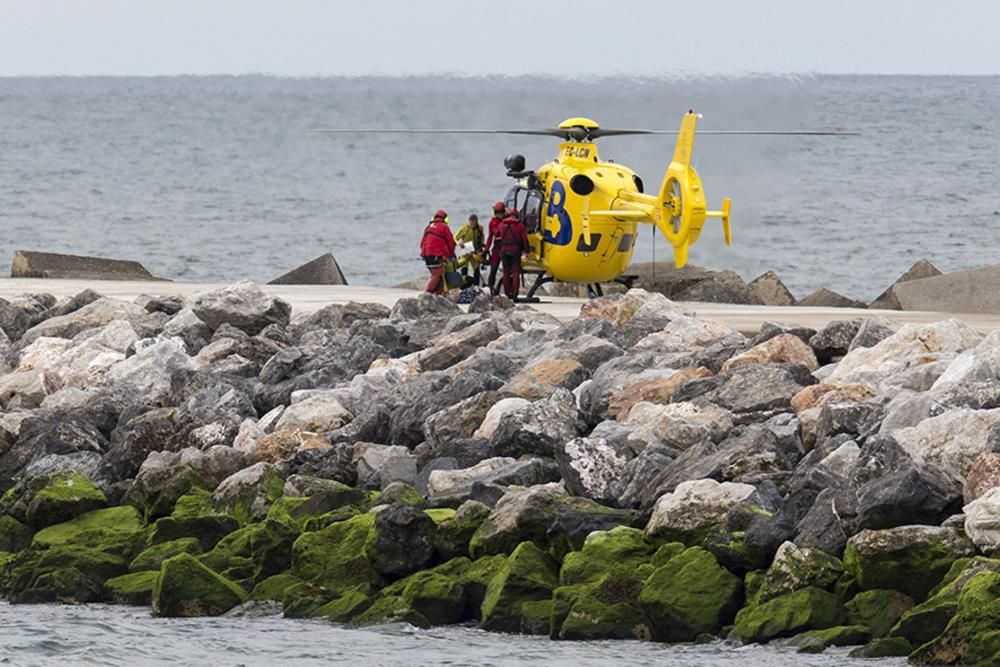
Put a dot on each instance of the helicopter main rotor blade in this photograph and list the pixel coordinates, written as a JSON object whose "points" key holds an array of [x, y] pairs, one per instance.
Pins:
{"points": [[601, 132], [547, 133]]}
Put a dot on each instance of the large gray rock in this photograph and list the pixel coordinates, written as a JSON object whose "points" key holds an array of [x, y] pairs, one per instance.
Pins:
{"points": [[380, 465], [97, 313], [592, 467], [892, 363], [982, 521], [444, 483], [539, 428], [695, 511], [155, 371], [21, 312], [546, 515], [166, 476], [243, 305], [248, 493], [952, 440], [403, 541], [759, 387], [319, 412]]}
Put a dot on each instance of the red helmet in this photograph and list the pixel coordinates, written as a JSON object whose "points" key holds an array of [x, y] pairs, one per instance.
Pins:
{"points": [[498, 207], [441, 214]]}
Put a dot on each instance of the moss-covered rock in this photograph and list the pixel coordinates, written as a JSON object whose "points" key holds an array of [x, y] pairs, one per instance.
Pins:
{"points": [[925, 621], [437, 597], [885, 647], [794, 568], [690, 595], [99, 528], [66, 495], [152, 558], [665, 553], [248, 494], [536, 617], [62, 573], [303, 599], [399, 492], [454, 533], [253, 553], [546, 515], [345, 607], [787, 615], [563, 599], [909, 559], [609, 609], [335, 556], [402, 541], [929, 619], [274, 587], [390, 609], [5, 557], [14, 535], [186, 587], [135, 588], [971, 636], [71, 561], [839, 635], [620, 548], [878, 610], [529, 574], [475, 578]]}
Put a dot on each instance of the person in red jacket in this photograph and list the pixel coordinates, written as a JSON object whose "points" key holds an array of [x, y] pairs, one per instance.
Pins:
{"points": [[436, 247], [513, 244], [493, 244]]}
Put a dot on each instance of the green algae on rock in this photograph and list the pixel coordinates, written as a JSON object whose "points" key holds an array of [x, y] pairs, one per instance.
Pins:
{"points": [[274, 587], [607, 609], [65, 496], [528, 575], [186, 587], [152, 557], [909, 559], [691, 594], [885, 647], [14, 535], [334, 557], [878, 610], [787, 615], [134, 589], [619, 548], [253, 553]]}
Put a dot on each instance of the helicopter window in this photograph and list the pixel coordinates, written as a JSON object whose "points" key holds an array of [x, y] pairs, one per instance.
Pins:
{"points": [[514, 198], [531, 213], [638, 183], [625, 243], [581, 245]]}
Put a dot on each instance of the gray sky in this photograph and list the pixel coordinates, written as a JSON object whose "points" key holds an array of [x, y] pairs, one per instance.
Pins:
{"points": [[559, 37]]}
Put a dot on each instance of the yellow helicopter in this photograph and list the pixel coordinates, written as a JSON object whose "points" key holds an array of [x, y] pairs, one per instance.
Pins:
{"points": [[582, 214]]}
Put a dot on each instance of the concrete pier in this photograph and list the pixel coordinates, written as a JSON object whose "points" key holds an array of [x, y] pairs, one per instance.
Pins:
{"points": [[309, 298]]}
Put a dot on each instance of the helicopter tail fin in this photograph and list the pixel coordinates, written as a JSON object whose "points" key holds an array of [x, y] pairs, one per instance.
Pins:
{"points": [[682, 209], [680, 255]]}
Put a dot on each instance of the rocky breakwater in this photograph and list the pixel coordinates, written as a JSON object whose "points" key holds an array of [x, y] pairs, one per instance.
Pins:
{"points": [[636, 473]]}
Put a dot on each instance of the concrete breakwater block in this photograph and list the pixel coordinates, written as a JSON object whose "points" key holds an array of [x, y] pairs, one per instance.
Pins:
{"points": [[323, 270], [31, 264], [887, 300], [972, 291]]}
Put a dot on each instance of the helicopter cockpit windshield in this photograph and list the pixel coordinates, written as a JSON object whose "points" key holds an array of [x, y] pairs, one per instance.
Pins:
{"points": [[528, 203]]}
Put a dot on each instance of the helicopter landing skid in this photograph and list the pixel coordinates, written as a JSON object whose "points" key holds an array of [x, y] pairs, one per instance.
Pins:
{"points": [[540, 279]]}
